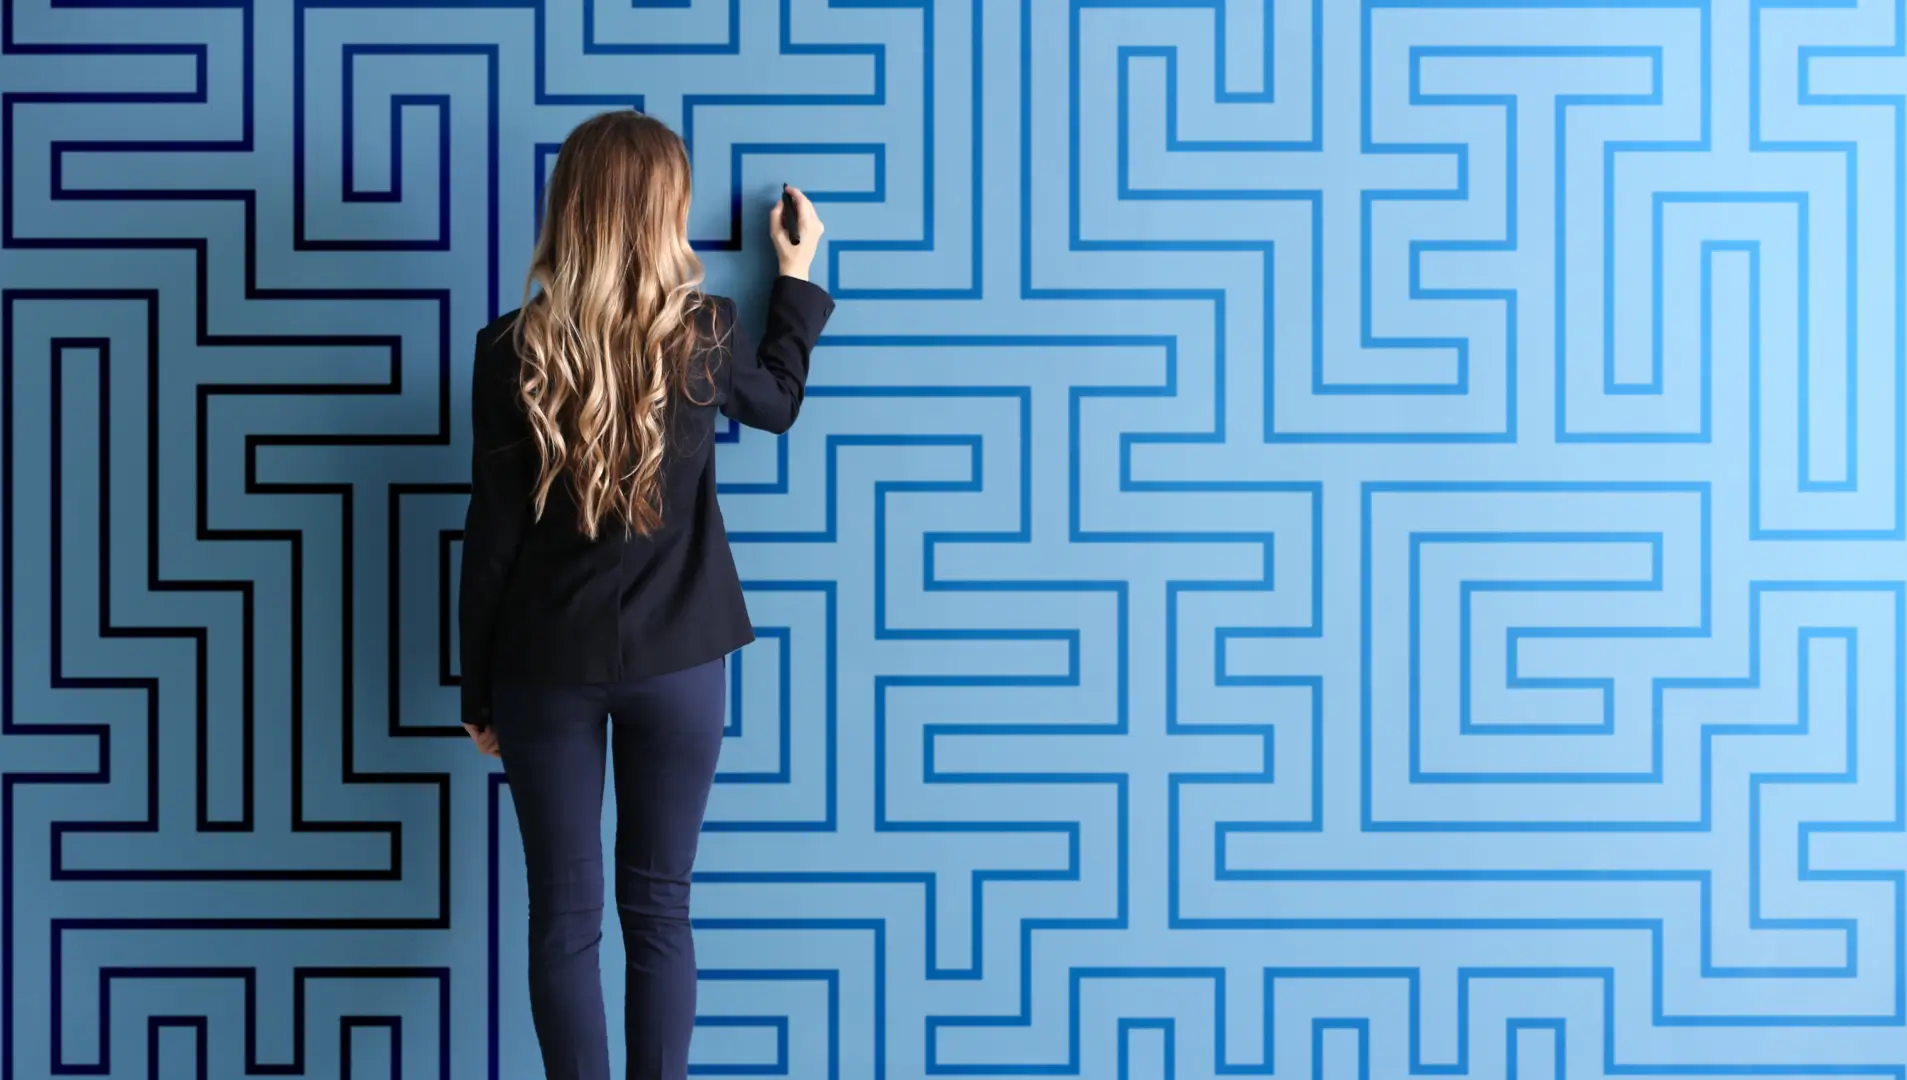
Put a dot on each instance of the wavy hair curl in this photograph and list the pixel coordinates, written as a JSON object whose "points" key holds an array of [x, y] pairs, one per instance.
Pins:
{"points": [[609, 323]]}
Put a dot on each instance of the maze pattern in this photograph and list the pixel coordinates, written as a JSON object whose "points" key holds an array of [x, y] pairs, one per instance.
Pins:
{"points": [[1331, 537]]}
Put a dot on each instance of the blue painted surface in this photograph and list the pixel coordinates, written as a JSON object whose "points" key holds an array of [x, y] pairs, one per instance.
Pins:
{"points": [[1330, 537]]}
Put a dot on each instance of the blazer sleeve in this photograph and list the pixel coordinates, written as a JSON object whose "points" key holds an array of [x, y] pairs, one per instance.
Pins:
{"points": [[502, 472], [761, 382]]}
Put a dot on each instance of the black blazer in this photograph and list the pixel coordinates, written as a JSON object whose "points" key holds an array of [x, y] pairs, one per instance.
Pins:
{"points": [[538, 602]]}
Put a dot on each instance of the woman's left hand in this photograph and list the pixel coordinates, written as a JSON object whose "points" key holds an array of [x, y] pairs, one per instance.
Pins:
{"points": [[485, 738]]}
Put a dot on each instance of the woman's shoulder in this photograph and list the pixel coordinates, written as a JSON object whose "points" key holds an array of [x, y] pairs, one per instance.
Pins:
{"points": [[713, 307], [715, 317], [498, 332], [497, 344]]}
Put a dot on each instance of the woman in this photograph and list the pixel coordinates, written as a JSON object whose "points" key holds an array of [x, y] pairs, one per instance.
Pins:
{"points": [[599, 599]]}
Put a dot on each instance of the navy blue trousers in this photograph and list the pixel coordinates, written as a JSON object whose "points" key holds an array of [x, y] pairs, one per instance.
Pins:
{"points": [[664, 733]]}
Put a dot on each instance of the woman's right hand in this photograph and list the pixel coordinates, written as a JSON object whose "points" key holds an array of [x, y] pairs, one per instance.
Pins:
{"points": [[796, 259]]}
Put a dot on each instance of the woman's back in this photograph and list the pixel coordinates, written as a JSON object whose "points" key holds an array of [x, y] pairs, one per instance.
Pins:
{"points": [[582, 609]]}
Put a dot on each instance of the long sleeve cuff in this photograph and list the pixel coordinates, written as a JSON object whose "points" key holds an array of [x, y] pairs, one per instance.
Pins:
{"points": [[475, 699], [810, 298]]}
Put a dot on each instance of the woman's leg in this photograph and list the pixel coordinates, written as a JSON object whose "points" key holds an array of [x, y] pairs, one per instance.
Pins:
{"points": [[668, 733], [552, 743]]}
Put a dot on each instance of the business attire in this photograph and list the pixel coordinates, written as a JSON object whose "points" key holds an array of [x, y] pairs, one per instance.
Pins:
{"points": [[566, 640]]}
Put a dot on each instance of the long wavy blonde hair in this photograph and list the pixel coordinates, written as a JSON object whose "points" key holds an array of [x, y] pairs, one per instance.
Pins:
{"points": [[609, 324]]}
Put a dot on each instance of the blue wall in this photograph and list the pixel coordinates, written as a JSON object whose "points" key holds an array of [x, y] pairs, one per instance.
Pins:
{"points": [[1331, 537]]}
